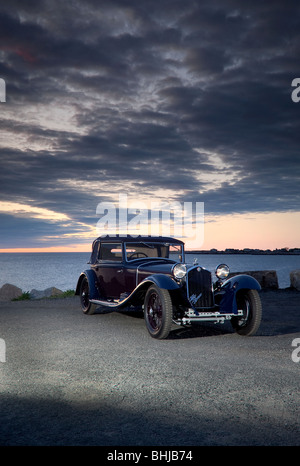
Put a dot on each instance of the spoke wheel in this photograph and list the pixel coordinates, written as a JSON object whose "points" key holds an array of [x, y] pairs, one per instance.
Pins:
{"points": [[86, 306], [158, 312], [249, 302]]}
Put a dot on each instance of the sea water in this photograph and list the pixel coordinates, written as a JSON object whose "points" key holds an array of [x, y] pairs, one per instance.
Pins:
{"points": [[43, 270]]}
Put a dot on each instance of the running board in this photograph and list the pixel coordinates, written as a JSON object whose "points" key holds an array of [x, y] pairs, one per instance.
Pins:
{"points": [[112, 304]]}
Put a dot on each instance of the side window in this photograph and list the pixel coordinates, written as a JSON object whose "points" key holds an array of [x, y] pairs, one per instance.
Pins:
{"points": [[110, 252], [94, 255]]}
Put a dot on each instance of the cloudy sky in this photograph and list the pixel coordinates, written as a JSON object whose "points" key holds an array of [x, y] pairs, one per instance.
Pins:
{"points": [[169, 100]]}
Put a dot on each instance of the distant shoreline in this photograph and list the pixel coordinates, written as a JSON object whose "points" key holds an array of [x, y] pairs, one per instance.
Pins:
{"points": [[246, 251], [252, 252]]}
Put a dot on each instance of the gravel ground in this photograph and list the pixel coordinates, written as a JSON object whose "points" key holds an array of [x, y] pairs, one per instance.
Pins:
{"points": [[72, 379]]}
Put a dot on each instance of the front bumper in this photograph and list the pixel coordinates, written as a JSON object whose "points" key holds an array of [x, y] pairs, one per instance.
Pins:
{"points": [[208, 316]]}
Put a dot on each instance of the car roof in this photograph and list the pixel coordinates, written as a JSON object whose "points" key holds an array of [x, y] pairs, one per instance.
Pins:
{"points": [[136, 239]]}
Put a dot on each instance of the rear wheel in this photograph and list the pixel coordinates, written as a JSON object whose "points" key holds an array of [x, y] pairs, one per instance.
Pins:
{"points": [[249, 302], [158, 312], [86, 306]]}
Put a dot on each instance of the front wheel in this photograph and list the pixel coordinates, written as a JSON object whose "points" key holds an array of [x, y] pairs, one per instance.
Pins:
{"points": [[86, 306], [158, 312], [249, 302]]}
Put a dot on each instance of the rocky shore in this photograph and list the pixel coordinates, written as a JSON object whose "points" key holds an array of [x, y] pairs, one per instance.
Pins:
{"points": [[267, 279], [10, 292]]}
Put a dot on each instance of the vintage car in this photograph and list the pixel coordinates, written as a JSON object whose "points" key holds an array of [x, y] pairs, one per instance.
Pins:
{"points": [[151, 272]]}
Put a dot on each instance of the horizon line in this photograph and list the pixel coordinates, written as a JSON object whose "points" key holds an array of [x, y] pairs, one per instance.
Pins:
{"points": [[57, 249]]}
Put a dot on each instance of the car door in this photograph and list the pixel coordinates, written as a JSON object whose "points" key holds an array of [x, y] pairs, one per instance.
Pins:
{"points": [[110, 270]]}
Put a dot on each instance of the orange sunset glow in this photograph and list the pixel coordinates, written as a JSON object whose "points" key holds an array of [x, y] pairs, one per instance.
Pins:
{"points": [[256, 231]]}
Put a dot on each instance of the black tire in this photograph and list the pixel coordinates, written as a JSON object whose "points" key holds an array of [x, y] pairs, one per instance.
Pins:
{"points": [[86, 306], [248, 301], [158, 312]]}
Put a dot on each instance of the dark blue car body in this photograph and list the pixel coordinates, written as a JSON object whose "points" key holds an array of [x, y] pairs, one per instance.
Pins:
{"points": [[151, 272]]}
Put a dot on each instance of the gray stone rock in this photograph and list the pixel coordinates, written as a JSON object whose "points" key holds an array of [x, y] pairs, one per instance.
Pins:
{"points": [[9, 292], [295, 279], [266, 278], [51, 292]]}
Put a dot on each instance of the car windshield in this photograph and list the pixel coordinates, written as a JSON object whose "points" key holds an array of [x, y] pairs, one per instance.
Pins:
{"points": [[154, 250]]}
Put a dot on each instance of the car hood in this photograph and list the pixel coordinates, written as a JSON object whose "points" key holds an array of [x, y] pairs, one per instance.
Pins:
{"points": [[156, 266], [161, 266]]}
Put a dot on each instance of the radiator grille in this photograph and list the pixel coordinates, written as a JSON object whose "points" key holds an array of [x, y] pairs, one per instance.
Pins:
{"points": [[199, 288]]}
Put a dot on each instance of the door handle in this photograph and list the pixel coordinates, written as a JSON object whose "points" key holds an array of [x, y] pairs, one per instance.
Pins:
{"points": [[120, 271]]}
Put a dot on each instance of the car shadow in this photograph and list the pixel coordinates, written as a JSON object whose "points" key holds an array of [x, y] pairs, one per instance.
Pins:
{"points": [[197, 330], [103, 310], [130, 311], [178, 332]]}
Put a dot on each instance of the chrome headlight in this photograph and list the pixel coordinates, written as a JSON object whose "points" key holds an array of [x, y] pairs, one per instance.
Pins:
{"points": [[222, 271], [179, 270]]}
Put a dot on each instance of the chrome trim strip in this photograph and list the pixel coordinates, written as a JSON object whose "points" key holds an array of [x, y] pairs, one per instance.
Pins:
{"points": [[137, 273], [115, 304]]}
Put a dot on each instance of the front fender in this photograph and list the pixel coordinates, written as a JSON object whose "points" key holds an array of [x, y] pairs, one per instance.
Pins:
{"points": [[92, 280], [162, 281], [226, 293], [239, 282], [138, 294]]}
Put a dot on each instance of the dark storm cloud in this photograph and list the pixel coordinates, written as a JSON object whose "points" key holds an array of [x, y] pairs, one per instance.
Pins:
{"points": [[191, 97], [33, 232]]}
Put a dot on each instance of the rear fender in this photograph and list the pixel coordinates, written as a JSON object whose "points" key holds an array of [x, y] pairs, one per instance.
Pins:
{"points": [[226, 294], [92, 280]]}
